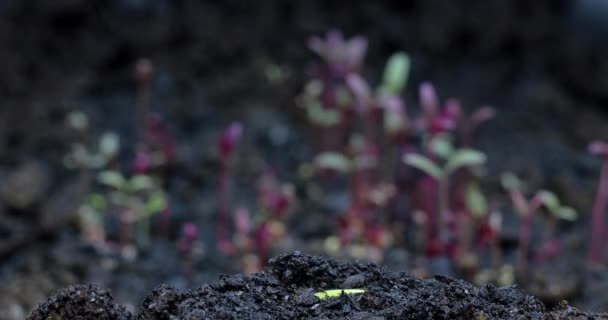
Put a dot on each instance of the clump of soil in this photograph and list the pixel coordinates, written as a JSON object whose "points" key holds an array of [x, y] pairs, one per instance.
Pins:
{"points": [[85, 301], [286, 290]]}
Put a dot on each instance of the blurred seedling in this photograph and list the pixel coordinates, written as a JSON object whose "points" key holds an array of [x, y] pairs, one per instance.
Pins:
{"points": [[187, 245], [226, 145], [84, 156], [526, 209], [256, 235], [135, 200], [447, 160]]}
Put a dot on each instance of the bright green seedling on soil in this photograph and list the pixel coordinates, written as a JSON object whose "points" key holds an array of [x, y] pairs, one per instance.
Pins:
{"points": [[334, 293]]}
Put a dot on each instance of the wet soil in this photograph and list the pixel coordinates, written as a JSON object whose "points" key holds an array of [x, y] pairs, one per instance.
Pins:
{"points": [[286, 290]]}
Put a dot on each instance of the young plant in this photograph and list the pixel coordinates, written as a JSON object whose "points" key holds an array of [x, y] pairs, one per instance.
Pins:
{"points": [[526, 210], [598, 223], [186, 245], [256, 236], [450, 160], [136, 199], [226, 145]]}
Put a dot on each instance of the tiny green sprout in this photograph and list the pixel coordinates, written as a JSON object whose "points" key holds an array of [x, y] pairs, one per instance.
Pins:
{"points": [[396, 73], [334, 293]]}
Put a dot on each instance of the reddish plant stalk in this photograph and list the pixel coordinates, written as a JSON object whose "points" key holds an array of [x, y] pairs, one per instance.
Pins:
{"points": [[597, 219], [526, 210]]}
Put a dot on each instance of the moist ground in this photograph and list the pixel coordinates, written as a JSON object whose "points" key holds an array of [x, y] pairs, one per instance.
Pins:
{"points": [[286, 290]]}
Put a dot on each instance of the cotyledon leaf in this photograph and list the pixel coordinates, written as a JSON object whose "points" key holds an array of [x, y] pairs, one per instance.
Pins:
{"points": [[334, 293]]}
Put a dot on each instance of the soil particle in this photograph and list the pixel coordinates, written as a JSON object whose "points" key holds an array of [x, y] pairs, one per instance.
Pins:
{"points": [[86, 301]]}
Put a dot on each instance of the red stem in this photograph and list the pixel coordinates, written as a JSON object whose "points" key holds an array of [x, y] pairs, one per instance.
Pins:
{"points": [[527, 210], [597, 219], [222, 204]]}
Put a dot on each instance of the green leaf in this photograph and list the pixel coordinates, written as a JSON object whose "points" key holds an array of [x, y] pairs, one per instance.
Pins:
{"points": [[395, 73], [109, 144], [423, 163], [464, 158], [334, 293], [567, 213], [510, 181], [333, 161], [475, 201], [441, 145], [112, 178], [156, 203], [550, 200], [141, 182], [325, 117], [97, 201]]}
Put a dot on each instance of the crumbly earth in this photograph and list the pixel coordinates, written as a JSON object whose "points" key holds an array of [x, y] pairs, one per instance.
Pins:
{"points": [[86, 301], [286, 288]]}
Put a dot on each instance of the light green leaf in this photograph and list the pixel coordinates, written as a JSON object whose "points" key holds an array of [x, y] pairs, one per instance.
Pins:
{"points": [[475, 201], [441, 145], [333, 161], [97, 201], [396, 73], [112, 178], [156, 203], [464, 158], [141, 182], [423, 163], [567, 213], [550, 200], [109, 144], [320, 116], [510, 181], [334, 293]]}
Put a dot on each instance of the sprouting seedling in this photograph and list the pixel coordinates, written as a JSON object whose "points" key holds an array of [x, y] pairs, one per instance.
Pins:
{"points": [[598, 223], [335, 293], [84, 158], [341, 55], [90, 215], [226, 145], [138, 198], [186, 245], [526, 210], [454, 159]]}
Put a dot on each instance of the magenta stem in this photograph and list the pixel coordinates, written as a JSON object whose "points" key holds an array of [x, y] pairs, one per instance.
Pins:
{"points": [[597, 219], [527, 210]]}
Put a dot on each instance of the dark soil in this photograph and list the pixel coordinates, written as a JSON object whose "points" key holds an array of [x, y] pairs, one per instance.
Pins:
{"points": [[286, 288]]}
